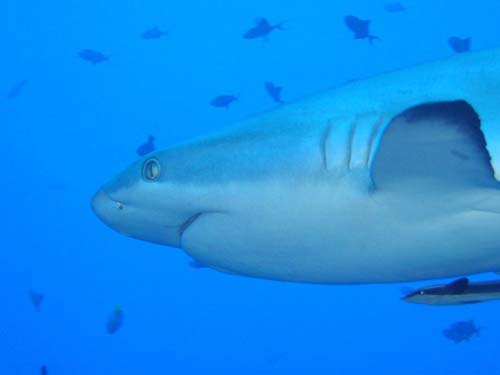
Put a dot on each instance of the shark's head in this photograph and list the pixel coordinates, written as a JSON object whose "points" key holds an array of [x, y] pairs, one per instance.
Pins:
{"points": [[146, 202], [160, 196]]}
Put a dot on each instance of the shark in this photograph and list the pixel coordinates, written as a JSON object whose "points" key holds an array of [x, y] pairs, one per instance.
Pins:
{"points": [[394, 178]]}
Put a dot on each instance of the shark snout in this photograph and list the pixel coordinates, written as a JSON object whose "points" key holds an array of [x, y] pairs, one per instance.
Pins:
{"points": [[106, 209], [123, 218], [161, 226]]}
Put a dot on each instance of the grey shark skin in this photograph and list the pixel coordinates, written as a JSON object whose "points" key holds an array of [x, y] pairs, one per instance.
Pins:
{"points": [[459, 292], [383, 180]]}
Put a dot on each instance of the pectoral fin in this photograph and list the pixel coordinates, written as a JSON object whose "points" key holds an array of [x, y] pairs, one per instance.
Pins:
{"points": [[433, 146]]}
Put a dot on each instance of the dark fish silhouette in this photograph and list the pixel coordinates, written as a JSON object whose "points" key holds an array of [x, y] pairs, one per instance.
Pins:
{"points": [[223, 101], [395, 7], [274, 91], [115, 321], [17, 89], [360, 28], [147, 147], [459, 45], [92, 56], [43, 370], [461, 331], [153, 33], [261, 29], [36, 299]]}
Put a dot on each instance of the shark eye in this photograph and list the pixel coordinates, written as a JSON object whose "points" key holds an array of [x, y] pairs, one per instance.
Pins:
{"points": [[421, 292], [151, 170]]}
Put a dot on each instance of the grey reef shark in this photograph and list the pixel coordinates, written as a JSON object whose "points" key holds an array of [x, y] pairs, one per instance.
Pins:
{"points": [[390, 179]]}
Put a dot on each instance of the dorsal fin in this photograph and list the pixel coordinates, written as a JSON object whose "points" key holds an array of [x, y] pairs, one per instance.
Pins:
{"points": [[458, 286], [435, 145]]}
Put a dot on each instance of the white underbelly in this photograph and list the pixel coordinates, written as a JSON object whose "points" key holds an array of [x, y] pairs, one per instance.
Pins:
{"points": [[316, 234]]}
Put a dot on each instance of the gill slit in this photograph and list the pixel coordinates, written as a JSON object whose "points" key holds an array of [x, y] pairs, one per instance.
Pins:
{"points": [[323, 144], [373, 136], [350, 140]]}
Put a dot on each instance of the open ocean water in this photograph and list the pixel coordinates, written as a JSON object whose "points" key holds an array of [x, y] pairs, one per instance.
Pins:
{"points": [[71, 119]]}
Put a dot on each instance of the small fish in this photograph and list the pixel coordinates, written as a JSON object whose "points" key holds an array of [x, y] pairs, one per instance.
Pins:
{"points": [[147, 147], [92, 56], [459, 45], [261, 29], [115, 321], [36, 299], [394, 7], [43, 370], [17, 89], [153, 33], [461, 331], [274, 91], [223, 101], [360, 28]]}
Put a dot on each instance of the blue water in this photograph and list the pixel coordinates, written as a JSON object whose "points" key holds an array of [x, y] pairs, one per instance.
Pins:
{"points": [[74, 125]]}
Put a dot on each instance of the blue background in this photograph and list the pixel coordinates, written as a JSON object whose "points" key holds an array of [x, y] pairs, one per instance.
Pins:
{"points": [[75, 125]]}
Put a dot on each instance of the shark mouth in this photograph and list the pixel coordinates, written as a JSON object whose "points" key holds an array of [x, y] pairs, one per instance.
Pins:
{"points": [[181, 229], [184, 226]]}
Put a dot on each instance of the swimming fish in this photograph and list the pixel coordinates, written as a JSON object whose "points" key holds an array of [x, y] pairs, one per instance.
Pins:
{"points": [[115, 321], [223, 101], [461, 331], [17, 89], [262, 29], [394, 7], [387, 179], [459, 45], [36, 299], [360, 28], [458, 292], [92, 56], [153, 33], [274, 91], [147, 147]]}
